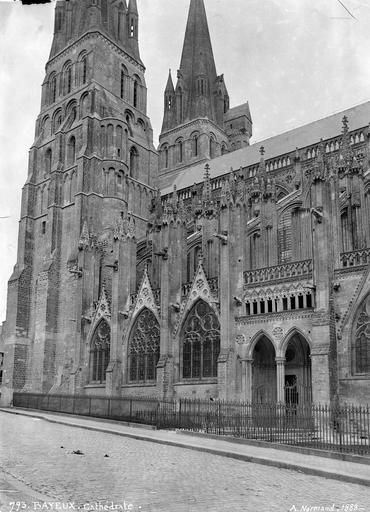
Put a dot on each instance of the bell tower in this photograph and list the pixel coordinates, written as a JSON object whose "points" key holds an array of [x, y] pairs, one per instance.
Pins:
{"points": [[92, 166], [198, 123]]}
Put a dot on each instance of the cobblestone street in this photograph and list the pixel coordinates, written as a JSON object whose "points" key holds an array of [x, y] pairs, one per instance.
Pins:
{"points": [[148, 477]]}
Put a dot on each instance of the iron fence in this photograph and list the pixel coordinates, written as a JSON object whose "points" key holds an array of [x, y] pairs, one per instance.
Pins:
{"points": [[342, 428], [131, 409]]}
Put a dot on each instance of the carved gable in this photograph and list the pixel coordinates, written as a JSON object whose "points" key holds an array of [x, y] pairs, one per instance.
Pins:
{"points": [[145, 297], [200, 289]]}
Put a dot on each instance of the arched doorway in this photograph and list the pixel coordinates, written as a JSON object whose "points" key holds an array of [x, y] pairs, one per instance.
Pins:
{"points": [[264, 372], [298, 381]]}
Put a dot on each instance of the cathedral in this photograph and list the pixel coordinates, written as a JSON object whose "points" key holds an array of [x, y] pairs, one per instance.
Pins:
{"points": [[210, 267]]}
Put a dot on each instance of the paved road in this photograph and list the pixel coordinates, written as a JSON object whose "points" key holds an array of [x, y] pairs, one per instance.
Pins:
{"points": [[147, 477]]}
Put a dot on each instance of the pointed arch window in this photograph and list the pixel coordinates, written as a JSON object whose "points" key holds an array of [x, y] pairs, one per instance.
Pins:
{"points": [[133, 162], [52, 88], [48, 158], [361, 339], [180, 151], [195, 140], [100, 353], [67, 78], [84, 69], [144, 348], [123, 82], [212, 147], [200, 338], [71, 151], [136, 96]]}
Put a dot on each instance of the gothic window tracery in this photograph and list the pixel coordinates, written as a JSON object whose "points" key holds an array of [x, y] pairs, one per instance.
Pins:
{"points": [[361, 338], [200, 342], [100, 352], [144, 347]]}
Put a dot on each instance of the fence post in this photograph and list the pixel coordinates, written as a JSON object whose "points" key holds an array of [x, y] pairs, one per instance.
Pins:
{"points": [[157, 420]]}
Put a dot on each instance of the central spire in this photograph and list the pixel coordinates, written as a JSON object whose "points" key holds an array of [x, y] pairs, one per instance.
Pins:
{"points": [[197, 54], [197, 77]]}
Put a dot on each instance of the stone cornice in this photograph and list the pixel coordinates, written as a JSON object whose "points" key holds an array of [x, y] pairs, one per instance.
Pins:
{"points": [[194, 122], [92, 34], [347, 273]]}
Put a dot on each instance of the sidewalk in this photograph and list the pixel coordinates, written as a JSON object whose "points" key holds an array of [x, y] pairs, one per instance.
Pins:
{"points": [[343, 470]]}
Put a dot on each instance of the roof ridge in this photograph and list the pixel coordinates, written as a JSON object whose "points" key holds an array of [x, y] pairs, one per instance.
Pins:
{"points": [[312, 122]]}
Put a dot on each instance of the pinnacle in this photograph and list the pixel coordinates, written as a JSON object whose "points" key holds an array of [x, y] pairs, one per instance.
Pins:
{"points": [[169, 86], [132, 7]]}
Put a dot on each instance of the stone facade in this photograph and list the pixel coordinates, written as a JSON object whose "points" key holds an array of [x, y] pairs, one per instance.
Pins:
{"points": [[211, 268]]}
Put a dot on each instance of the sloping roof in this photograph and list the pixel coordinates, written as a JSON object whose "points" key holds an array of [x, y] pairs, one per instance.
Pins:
{"points": [[239, 110], [306, 135]]}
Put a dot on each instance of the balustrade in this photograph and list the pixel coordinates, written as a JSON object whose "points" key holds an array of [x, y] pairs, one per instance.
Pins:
{"points": [[287, 270], [355, 258]]}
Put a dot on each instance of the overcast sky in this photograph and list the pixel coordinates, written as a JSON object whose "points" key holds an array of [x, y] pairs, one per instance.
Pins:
{"points": [[294, 60]]}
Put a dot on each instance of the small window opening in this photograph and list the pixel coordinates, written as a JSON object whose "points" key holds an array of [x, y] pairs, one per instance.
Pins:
{"points": [[285, 304], [122, 84], [300, 301], [43, 227], [292, 302], [248, 308], [84, 70], [269, 306], [255, 308], [309, 301]]}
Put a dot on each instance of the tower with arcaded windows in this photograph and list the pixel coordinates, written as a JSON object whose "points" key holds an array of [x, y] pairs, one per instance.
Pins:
{"points": [[92, 171], [198, 123]]}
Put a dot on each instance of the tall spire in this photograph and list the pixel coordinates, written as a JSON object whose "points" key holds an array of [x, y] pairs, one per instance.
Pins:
{"points": [[197, 74], [197, 54]]}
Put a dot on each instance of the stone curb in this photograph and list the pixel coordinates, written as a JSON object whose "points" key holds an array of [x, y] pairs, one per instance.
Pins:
{"points": [[309, 470], [346, 457]]}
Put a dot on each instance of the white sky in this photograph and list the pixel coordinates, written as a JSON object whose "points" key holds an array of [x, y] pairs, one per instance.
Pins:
{"points": [[294, 60]]}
